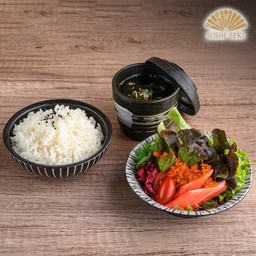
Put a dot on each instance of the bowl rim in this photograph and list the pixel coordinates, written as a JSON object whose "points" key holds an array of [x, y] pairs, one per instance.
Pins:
{"points": [[142, 102], [137, 189], [67, 102]]}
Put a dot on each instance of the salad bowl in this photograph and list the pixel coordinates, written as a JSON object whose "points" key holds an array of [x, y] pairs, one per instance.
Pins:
{"points": [[192, 199], [137, 189]]}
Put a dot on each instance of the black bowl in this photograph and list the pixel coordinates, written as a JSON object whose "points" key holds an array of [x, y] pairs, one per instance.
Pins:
{"points": [[139, 119], [59, 171]]}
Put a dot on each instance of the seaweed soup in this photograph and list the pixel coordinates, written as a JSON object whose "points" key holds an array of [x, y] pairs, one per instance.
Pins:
{"points": [[147, 87]]}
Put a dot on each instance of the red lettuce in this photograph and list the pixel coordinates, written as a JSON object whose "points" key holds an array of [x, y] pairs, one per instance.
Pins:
{"points": [[146, 175]]}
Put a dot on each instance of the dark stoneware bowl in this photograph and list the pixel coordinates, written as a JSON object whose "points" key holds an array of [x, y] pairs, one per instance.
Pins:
{"points": [[138, 118], [59, 171]]}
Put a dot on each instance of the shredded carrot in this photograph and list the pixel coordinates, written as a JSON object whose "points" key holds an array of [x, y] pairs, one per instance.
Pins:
{"points": [[182, 174], [210, 183], [159, 153]]}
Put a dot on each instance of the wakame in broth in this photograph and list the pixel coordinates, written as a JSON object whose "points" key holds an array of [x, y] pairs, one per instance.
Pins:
{"points": [[146, 87]]}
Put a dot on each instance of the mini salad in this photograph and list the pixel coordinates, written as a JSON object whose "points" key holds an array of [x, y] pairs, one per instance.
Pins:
{"points": [[190, 169]]}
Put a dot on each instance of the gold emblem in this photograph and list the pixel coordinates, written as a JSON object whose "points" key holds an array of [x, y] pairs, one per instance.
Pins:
{"points": [[225, 24]]}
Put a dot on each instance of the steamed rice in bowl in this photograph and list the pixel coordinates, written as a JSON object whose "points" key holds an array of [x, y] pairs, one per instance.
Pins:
{"points": [[57, 136]]}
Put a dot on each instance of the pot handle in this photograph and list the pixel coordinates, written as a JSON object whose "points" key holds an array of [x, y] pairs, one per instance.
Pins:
{"points": [[188, 99]]}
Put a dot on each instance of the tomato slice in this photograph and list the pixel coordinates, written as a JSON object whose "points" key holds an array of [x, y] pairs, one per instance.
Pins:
{"points": [[194, 198], [193, 185], [166, 191], [158, 180]]}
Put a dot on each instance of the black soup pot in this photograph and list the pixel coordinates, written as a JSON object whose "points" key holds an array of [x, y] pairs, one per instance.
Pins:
{"points": [[139, 119]]}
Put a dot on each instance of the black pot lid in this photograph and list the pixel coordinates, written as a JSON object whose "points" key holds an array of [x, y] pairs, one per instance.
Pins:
{"points": [[188, 99]]}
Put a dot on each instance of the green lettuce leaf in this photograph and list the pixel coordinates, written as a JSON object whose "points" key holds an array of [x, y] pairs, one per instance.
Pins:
{"points": [[189, 156], [163, 145], [175, 116], [169, 140], [243, 170], [145, 152], [164, 162], [193, 146], [211, 203], [161, 127], [218, 140]]}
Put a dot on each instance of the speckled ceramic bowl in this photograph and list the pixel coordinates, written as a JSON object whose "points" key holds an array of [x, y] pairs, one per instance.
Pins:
{"points": [[59, 171], [137, 189]]}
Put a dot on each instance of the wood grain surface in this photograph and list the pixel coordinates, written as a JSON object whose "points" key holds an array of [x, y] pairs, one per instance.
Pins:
{"points": [[71, 49]]}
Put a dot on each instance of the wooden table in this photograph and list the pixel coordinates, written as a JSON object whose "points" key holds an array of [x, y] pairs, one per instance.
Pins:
{"points": [[71, 49]]}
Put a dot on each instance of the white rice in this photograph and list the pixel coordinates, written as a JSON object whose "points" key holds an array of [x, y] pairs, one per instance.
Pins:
{"points": [[57, 136]]}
